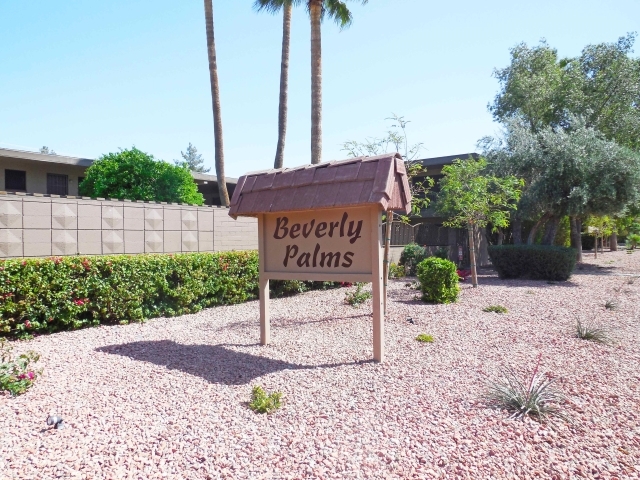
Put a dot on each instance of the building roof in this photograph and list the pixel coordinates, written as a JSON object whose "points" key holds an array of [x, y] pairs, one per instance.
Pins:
{"points": [[86, 162], [380, 180], [446, 160], [44, 157]]}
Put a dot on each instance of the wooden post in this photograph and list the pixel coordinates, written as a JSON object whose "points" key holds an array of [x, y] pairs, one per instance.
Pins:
{"points": [[387, 246], [265, 321], [377, 285]]}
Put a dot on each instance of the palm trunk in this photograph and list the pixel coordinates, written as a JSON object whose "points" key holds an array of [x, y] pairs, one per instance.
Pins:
{"points": [[284, 85], [472, 256], [215, 101], [315, 13]]}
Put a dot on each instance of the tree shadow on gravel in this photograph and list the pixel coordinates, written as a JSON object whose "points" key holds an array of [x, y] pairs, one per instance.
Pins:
{"points": [[214, 363]]}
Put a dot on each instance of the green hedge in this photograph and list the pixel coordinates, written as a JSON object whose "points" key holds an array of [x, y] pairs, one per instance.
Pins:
{"points": [[62, 293], [439, 280], [537, 262]]}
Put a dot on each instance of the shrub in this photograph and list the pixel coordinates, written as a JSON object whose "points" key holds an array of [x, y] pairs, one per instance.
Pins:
{"points": [[16, 376], [357, 297], [438, 280], [62, 293], [442, 252], [411, 256], [396, 271], [285, 288], [495, 309], [263, 403], [633, 240], [135, 175], [588, 242], [611, 305], [537, 262], [424, 338]]}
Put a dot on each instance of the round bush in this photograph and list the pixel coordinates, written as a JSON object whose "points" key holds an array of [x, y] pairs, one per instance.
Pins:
{"points": [[439, 280], [411, 256]]}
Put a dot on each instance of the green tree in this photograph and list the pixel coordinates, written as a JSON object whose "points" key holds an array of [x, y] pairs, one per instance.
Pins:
{"points": [[192, 160], [470, 197], [336, 10], [575, 172], [215, 101], [135, 175], [601, 86]]}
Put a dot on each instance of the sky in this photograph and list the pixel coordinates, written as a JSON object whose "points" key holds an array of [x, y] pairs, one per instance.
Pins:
{"points": [[87, 78]]}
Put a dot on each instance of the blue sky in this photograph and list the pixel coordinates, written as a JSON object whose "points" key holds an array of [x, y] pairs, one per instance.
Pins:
{"points": [[86, 78]]}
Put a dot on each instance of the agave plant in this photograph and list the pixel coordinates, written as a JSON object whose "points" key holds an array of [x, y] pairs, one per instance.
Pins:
{"points": [[594, 334], [534, 398], [611, 305]]}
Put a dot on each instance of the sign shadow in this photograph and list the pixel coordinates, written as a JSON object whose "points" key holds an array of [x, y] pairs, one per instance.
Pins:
{"points": [[214, 363]]}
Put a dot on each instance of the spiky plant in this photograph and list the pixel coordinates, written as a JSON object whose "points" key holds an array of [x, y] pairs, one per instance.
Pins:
{"points": [[594, 334], [535, 398], [611, 305]]}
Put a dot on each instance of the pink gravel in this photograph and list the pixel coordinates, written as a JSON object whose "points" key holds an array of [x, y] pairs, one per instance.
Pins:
{"points": [[168, 398]]}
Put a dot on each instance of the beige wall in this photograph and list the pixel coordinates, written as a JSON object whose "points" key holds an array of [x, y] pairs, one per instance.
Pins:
{"points": [[42, 225], [37, 173]]}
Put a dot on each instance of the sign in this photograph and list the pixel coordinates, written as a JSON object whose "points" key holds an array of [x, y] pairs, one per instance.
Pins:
{"points": [[331, 242]]}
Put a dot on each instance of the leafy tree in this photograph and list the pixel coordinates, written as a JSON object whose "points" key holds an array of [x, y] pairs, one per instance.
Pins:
{"points": [[470, 197], [601, 86], [135, 175], [287, 7], [336, 10], [575, 172], [215, 101], [601, 226], [192, 160]]}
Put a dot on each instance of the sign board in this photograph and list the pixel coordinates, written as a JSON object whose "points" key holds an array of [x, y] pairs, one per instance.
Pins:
{"points": [[324, 223], [322, 242]]}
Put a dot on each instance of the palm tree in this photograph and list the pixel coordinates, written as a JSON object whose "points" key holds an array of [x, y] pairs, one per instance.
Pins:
{"points": [[336, 10], [215, 101], [287, 7]]}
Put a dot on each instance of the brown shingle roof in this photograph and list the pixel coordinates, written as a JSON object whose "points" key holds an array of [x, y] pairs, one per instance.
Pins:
{"points": [[380, 180]]}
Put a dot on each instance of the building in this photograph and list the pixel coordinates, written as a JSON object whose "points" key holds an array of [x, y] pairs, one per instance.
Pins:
{"points": [[32, 172]]}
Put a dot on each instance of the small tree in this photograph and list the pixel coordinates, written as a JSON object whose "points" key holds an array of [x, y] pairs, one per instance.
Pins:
{"points": [[192, 160], [470, 198], [135, 175], [601, 226]]}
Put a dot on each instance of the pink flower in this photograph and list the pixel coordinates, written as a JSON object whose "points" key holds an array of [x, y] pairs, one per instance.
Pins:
{"points": [[31, 375], [27, 323]]}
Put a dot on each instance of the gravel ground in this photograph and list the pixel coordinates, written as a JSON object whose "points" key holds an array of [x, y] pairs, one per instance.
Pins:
{"points": [[168, 398]]}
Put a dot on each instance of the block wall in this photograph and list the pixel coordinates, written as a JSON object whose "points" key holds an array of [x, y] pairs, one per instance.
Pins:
{"points": [[43, 225]]}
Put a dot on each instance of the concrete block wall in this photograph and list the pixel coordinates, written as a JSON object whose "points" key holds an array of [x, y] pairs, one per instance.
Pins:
{"points": [[42, 225]]}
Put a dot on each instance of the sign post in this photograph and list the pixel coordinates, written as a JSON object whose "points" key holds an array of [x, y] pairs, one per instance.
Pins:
{"points": [[324, 223]]}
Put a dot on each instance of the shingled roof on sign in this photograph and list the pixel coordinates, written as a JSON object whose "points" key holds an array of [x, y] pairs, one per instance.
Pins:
{"points": [[380, 180]]}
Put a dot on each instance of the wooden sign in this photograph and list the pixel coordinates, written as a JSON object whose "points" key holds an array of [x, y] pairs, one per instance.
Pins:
{"points": [[324, 223]]}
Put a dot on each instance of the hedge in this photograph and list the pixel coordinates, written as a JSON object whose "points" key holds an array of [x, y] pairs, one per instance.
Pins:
{"points": [[536, 262], [62, 293]]}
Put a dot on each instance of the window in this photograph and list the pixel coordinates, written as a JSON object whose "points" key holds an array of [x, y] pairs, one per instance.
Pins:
{"points": [[57, 184], [15, 180]]}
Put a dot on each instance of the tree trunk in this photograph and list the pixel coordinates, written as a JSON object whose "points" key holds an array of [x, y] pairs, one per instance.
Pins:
{"points": [[500, 236], [576, 236], [551, 229], [215, 101], [517, 231], [284, 85], [315, 13], [472, 256], [613, 242], [532, 234], [596, 247]]}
